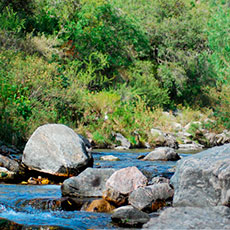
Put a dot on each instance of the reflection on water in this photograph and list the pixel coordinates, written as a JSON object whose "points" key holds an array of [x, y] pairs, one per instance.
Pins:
{"points": [[14, 197]]}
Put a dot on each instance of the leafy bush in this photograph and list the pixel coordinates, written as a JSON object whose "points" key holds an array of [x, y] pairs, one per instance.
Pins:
{"points": [[219, 40], [145, 84], [9, 20], [176, 30], [100, 28]]}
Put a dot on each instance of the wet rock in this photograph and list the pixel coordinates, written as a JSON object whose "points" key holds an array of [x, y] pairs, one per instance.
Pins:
{"points": [[89, 183], [191, 218], [9, 164], [57, 150], [151, 198], [72, 204], [64, 203], [191, 147], [129, 216], [115, 197], [99, 206], [6, 224], [109, 158], [6, 175], [122, 141], [122, 183], [163, 154], [203, 179]]}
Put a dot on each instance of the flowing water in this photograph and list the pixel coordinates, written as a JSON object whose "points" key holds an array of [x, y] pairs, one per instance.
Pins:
{"points": [[16, 201]]}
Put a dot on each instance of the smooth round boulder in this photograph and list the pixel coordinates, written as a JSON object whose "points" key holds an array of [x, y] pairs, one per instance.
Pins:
{"points": [[122, 182], [57, 150], [162, 154]]}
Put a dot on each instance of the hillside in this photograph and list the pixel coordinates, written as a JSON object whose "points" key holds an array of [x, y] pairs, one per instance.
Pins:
{"points": [[105, 67]]}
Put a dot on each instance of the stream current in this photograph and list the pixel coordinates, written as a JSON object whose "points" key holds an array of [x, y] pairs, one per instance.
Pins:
{"points": [[16, 200]]}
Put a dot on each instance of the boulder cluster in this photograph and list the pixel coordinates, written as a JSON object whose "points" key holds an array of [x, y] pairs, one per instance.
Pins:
{"points": [[126, 192]]}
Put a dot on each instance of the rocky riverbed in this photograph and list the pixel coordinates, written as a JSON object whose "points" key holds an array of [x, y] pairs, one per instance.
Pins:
{"points": [[43, 205], [59, 183]]}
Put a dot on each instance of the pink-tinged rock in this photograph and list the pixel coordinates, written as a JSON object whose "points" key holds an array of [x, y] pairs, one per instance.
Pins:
{"points": [[122, 183]]}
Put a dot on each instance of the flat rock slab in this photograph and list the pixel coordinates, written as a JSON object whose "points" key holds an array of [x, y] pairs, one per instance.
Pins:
{"points": [[203, 179], [191, 218], [162, 154], [57, 150], [90, 183]]}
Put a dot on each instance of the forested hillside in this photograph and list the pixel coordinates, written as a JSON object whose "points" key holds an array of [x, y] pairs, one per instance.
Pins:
{"points": [[107, 66]]}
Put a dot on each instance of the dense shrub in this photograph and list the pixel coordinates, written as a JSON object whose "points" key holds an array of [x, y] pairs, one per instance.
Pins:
{"points": [[99, 28]]}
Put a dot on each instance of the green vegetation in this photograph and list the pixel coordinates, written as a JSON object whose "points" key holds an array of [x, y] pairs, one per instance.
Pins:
{"points": [[106, 66]]}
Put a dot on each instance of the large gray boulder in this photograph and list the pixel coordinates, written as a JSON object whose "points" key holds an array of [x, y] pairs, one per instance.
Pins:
{"points": [[203, 179], [151, 198], [191, 218], [162, 154], [89, 183], [56, 149]]}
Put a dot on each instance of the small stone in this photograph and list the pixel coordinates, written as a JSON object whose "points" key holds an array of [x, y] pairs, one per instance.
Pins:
{"points": [[109, 158], [128, 216]]}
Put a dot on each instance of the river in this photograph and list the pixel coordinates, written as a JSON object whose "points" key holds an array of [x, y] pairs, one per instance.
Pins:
{"points": [[17, 201]]}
